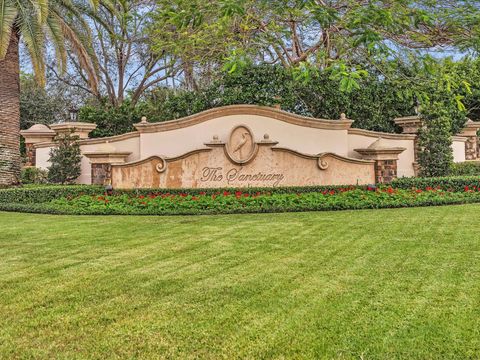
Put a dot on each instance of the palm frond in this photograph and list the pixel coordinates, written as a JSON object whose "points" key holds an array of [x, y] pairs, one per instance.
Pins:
{"points": [[42, 6], [82, 52], [64, 22], [8, 14], [94, 4], [54, 30], [32, 34], [80, 11]]}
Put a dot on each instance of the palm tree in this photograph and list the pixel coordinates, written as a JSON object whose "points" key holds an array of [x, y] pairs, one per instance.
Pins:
{"points": [[35, 21]]}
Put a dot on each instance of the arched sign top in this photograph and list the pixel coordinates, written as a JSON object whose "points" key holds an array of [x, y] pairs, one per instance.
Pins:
{"points": [[269, 112]]}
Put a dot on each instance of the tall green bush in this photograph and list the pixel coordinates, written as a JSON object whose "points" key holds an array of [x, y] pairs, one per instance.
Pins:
{"points": [[65, 158], [436, 156]]}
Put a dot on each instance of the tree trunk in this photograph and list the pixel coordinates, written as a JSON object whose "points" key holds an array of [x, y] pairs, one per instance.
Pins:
{"points": [[10, 160]]}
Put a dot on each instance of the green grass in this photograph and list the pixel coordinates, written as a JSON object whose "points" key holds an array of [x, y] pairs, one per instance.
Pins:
{"points": [[375, 284]]}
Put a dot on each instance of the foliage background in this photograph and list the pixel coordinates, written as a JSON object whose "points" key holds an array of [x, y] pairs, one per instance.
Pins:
{"points": [[372, 108]]}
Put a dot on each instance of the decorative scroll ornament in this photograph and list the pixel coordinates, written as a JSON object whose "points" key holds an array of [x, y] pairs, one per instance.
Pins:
{"points": [[322, 164], [241, 147], [161, 166]]}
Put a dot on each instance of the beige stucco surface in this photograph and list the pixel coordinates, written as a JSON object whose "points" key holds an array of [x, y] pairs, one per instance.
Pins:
{"points": [[405, 159], [304, 139], [458, 147], [129, 145], [211, 168]]}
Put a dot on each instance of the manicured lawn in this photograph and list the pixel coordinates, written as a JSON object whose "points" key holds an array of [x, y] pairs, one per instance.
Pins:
{"points": [[372, 284]]}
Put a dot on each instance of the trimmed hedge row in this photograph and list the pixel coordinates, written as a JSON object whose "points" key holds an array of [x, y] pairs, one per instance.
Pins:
{"points": [[467, 168], [45, 193], [452, 183]]}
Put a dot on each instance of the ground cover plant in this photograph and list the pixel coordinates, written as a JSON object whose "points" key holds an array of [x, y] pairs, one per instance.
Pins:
{"points": [[376, 284]]}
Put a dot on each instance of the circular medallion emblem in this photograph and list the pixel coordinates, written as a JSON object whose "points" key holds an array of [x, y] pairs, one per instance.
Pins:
{"points": [[241, 147]]}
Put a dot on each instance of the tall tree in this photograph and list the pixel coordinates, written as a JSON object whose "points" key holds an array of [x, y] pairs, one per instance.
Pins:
{"points": [[126, 65], [34, 21], [42, 105]]}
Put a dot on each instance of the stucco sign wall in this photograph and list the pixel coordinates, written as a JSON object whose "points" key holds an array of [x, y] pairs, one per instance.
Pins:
{"points": [[227, 146], [242, 162]]}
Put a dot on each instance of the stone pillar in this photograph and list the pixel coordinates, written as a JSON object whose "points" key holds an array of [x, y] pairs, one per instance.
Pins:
{"points": [[102, 160], [385, 171], [101, 173], [38, 133], [472, 145], [385, 158], [79, 129]]}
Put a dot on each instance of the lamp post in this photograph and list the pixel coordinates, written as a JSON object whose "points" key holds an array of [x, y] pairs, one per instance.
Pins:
{"points": [[73, 114]]}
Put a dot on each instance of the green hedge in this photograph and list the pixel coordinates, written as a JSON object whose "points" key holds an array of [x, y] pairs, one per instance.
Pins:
{"points": [[42, 194], [452, 183], [46, 193], [467, 168], [249, 190]]}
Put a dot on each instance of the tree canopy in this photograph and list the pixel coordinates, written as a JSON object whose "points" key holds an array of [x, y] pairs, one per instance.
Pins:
{"points": [[346, 37]]}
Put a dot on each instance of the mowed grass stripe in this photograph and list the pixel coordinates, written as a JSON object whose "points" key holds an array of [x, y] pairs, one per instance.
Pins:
{"points": [[400, 283]]}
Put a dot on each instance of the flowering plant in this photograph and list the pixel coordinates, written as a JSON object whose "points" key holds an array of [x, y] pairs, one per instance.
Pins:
{"points": [[239, 201]]}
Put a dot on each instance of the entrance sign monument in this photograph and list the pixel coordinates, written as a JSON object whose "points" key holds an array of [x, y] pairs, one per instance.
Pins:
{"points": [[240, 146]]}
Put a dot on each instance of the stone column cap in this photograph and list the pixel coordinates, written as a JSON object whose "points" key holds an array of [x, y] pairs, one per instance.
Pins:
{"points": [[409, 124], [38, 133], [380, 150], [38, 129], [81, 129], [106, 153], [100, 157], [471, 128]]}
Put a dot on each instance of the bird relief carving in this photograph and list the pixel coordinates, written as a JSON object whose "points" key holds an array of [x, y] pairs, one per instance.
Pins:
{"points": [[241, 147]]}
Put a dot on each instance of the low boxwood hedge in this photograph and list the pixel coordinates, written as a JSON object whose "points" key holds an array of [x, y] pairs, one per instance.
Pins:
{"points": [[467, 168], [44, 193], [450, 183]]}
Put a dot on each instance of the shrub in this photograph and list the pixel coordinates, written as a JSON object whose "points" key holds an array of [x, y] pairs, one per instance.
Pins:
{"points": [[449, 183], [65, 160], [239, 202], [466, 168], [46, 193], [33, 175], [436, 156]]}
